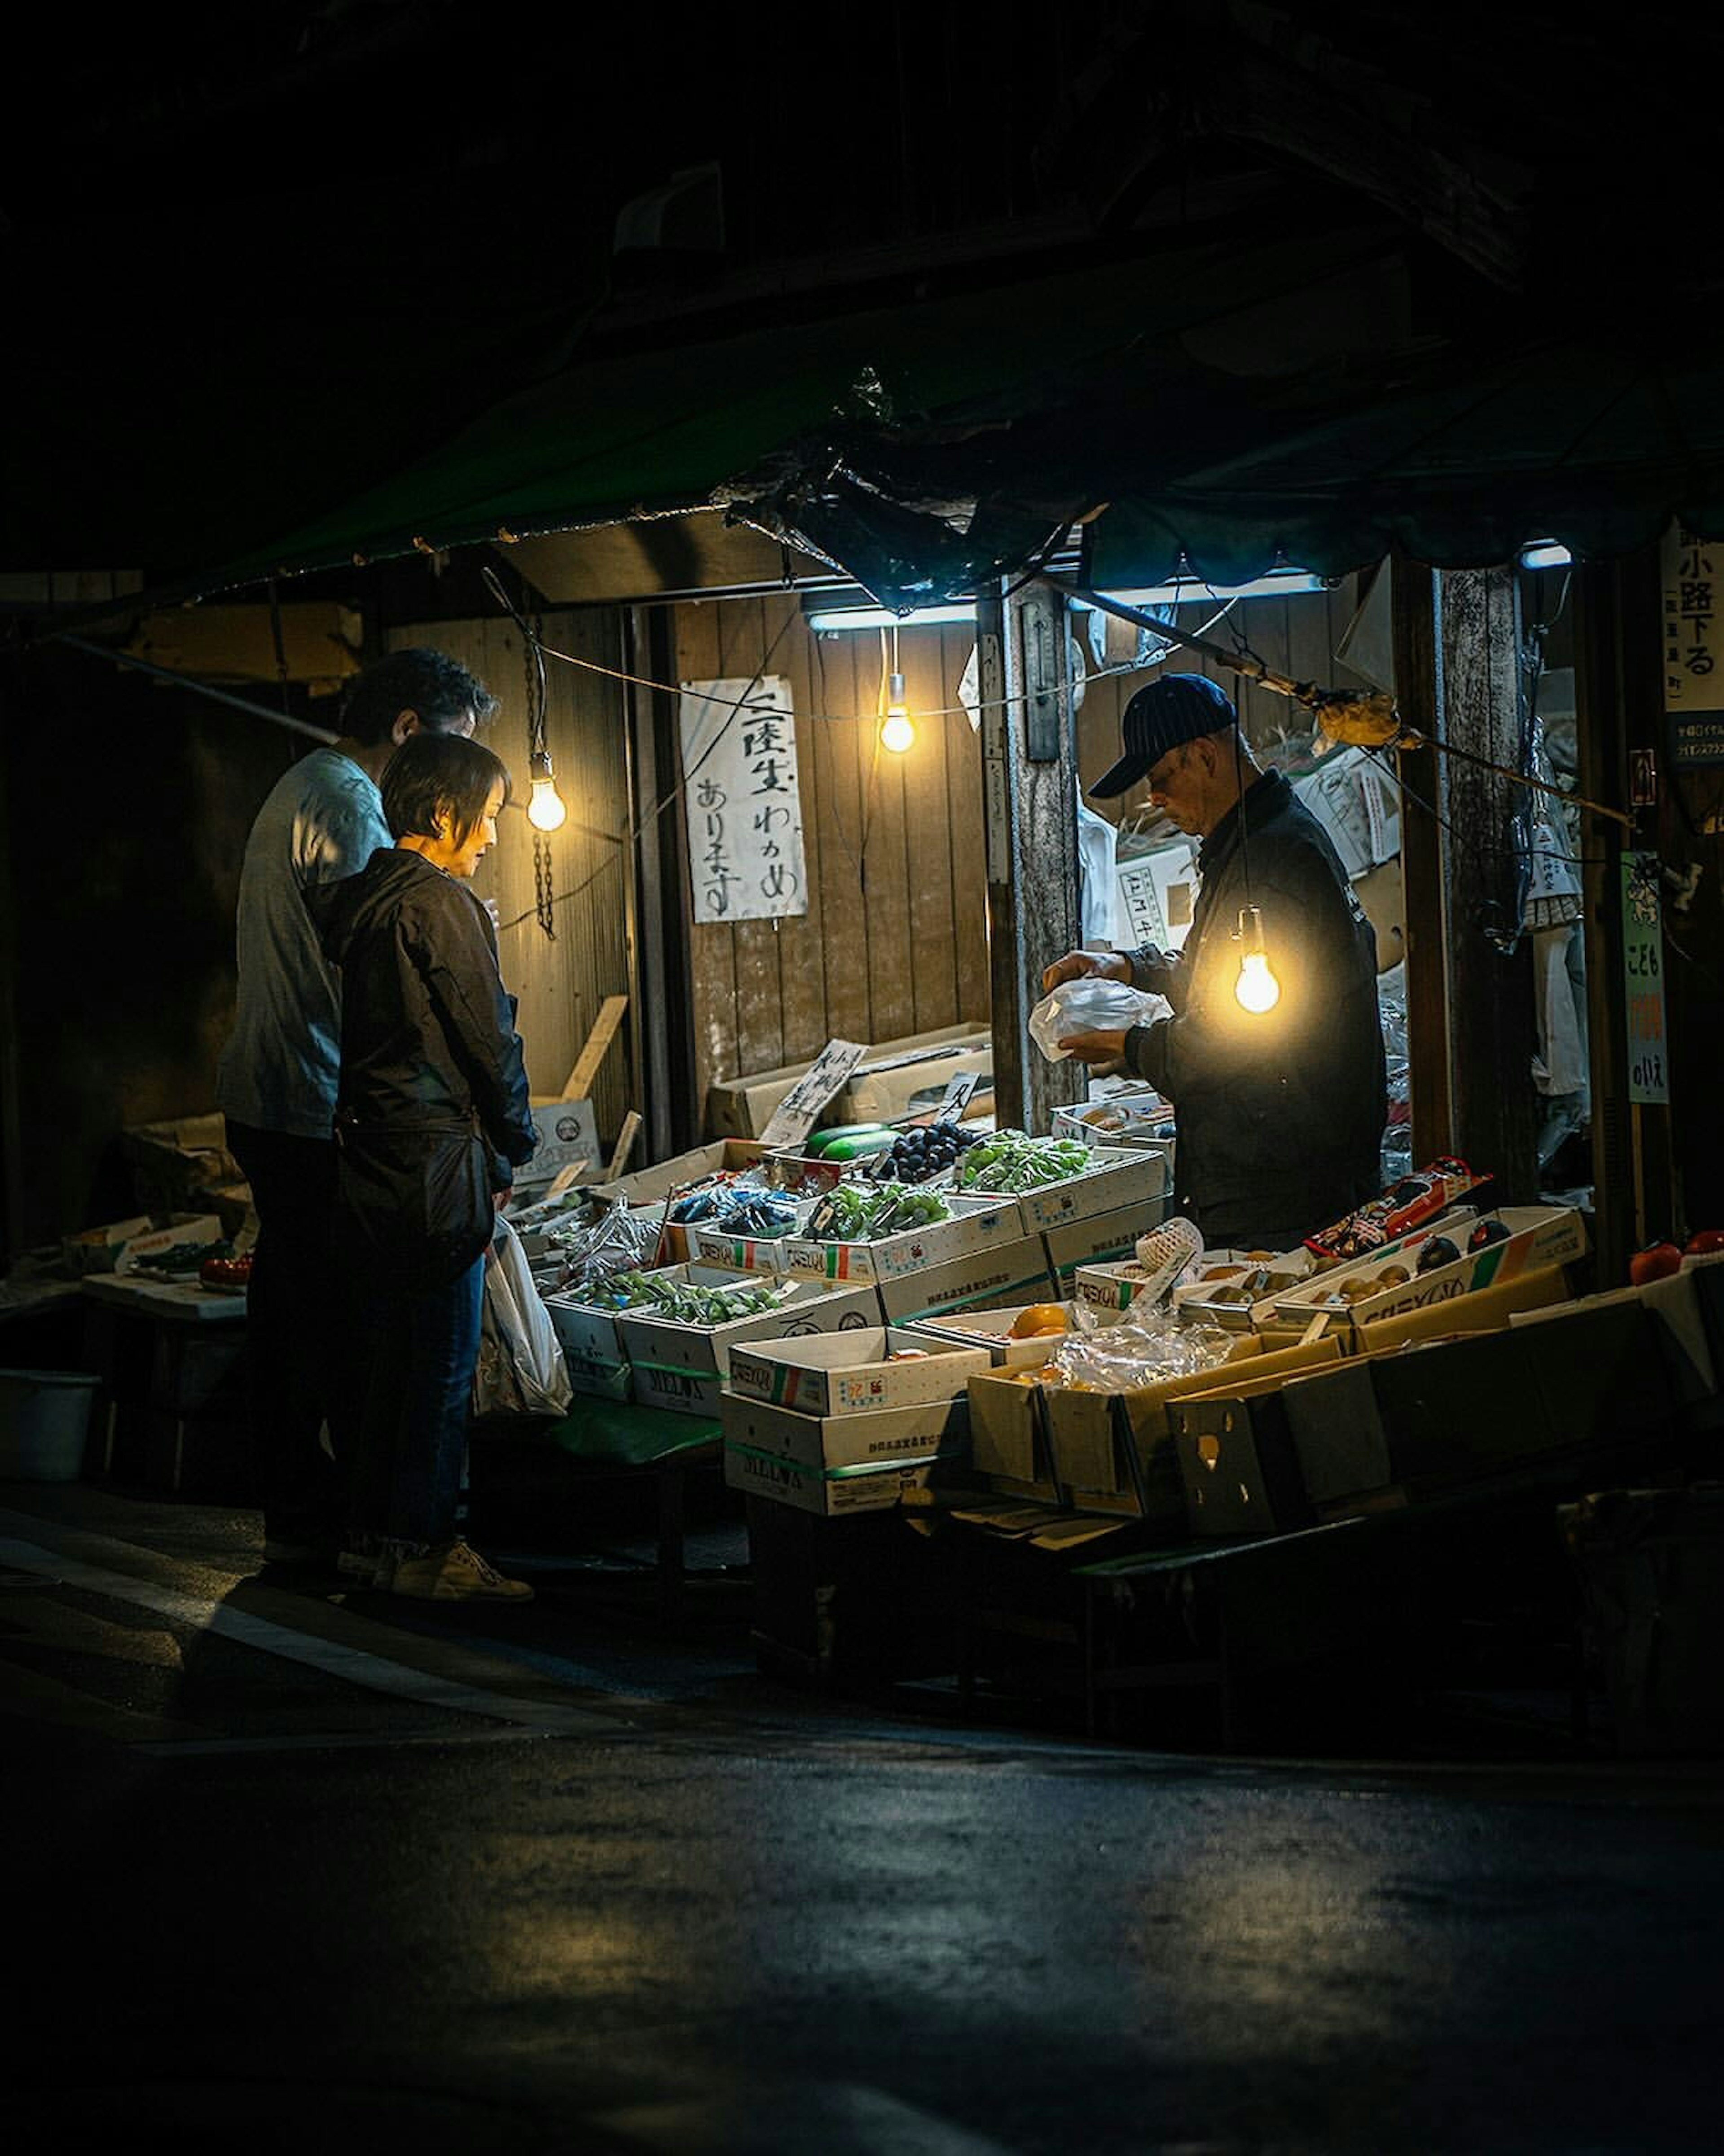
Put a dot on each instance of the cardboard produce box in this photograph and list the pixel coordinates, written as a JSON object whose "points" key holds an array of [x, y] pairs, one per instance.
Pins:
{"points": [[1001, 1276], [991, 1329], [1339, 1443], [1119, 1444], [1121, 1177], [1097, 1239], [1600, 1367], [852, 1373], [649, 1189], [1485, 1310], [1134, 1118], [1539, 1237], [1009, 1441], [1455, 1410], [885, 1084], [93, 1250], [742, 1253], [895, 1437], [1237, 1462], [591, 1351], [977, 1225], [683, 1367], [832, 1492]]}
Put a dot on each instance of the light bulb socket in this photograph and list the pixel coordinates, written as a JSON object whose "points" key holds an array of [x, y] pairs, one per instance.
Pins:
{"points": [[1250, 931], [539, 764], [895, 692]]}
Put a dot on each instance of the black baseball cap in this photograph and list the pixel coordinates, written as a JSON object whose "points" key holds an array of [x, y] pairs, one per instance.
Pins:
{"points": [[1172, 709]]}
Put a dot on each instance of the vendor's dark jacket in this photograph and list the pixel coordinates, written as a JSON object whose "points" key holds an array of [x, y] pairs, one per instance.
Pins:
{"points": [[432, 1115], [1280, 1116]]}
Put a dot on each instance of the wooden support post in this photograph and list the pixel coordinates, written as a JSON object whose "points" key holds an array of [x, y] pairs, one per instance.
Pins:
{"points": [[1492, 1019], [1029, 794], [1618, 707], [578, 1084], [666, 1068], [1418, 687]]}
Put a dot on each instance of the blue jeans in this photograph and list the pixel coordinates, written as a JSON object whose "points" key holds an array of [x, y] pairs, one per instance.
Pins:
{"points": [[420, 1350]]}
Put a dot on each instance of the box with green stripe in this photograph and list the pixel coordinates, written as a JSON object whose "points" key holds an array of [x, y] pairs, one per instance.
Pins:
{"points": [[683, 1367], [976, 1224], [831, 1492], [853, 1373], [1001, 1276]]}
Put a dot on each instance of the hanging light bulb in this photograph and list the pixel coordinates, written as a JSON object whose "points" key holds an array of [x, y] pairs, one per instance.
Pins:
{"points": [[1257, 989], [544, 811], [897, 733]]}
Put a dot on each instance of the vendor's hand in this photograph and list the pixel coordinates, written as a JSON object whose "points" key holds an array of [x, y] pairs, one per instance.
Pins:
{"points": [[1080, 965], [1094, 1047]]}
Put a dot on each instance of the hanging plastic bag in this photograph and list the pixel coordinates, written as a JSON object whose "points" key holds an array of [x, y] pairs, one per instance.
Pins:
{"points": [[520, 1369], [1092, 1004]]}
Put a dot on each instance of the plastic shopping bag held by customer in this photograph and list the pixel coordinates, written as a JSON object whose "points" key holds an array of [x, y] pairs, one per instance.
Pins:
{"points": [[520, 1369]]}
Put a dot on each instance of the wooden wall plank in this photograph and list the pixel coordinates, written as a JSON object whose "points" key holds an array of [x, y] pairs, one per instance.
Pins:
{"points": [[836, 806], [966, 839], [890, 958], [932, 954], [712, 962]]}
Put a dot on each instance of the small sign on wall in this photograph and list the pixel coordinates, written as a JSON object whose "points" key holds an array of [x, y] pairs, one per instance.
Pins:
{"points": [[1643, 969], [742, 801], [1693, 646]]}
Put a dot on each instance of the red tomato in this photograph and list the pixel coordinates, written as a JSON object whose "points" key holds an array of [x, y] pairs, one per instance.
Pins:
{"points": [[1657, 1262], [1704, 1241]]}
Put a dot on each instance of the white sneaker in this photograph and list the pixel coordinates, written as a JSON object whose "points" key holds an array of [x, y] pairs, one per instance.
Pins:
{"points": [[455, 1573]]}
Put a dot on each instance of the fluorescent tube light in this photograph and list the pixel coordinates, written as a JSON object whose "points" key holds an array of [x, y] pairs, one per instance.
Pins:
{"points": [[1279, 584]]}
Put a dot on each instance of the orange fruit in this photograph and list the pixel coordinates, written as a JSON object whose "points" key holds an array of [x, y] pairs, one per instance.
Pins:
{"points": [[1039, 1318]]}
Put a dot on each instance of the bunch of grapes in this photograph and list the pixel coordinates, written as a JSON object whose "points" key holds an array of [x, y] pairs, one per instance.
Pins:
{"points": [[924, 1151]]}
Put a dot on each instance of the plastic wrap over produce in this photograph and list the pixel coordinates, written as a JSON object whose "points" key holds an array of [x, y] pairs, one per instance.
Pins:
{"points": [[1091, 1005], [1142, 1350], [591, 1250]]}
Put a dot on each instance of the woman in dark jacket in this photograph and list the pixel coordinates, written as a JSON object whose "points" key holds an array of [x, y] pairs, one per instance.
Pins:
{"points": [[431, 1122]]}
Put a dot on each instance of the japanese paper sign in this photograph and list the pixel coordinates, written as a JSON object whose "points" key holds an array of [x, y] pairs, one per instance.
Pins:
{"points": [[1642, 966], [794, 1117], [742, 800], [1693, 645]]}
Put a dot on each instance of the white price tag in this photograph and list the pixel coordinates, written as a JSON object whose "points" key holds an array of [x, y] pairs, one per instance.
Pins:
{"points": [[794, 1117], [958, 1096]]}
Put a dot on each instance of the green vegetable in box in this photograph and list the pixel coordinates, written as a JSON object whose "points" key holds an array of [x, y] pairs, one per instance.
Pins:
{"points": [[686, 1301], [1012, 1160], [860, 1213]]}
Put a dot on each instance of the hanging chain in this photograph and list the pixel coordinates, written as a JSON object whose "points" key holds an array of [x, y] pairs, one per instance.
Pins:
{"points": [[544, 880], [544, 885]]}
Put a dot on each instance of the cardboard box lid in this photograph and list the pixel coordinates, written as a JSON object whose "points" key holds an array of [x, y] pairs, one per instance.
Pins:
{"points": [[1487, 1310]]}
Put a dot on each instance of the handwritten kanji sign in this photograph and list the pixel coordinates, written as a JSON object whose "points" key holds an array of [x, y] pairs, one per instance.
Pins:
{"points": [[741, 801], [1694, 647], [1643, 967]]}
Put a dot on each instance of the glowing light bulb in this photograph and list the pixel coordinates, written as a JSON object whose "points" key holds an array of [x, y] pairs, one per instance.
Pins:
{"points": [[1257, 989], [897, 733], [544, 810]]}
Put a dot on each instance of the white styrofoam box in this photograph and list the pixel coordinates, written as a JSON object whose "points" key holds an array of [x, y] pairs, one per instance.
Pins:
{"points": [[886, 1437], [991, 1329], [1003, 1273], [1097, 1239], [833, 1492], [1539, 1237], [850, 1373], [978, 1224], [684, 1366]]}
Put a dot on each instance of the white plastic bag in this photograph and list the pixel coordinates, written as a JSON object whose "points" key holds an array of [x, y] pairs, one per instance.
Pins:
{"points": [[520, 1369], [1093, 1004]]}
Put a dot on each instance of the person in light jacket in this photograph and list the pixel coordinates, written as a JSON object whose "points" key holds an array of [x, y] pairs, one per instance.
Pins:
{"points": [[431, 1120]]}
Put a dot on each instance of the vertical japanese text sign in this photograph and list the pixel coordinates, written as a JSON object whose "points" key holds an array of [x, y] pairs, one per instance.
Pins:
{"points": [[741, 801], [1693, 644], [1643, 968]]}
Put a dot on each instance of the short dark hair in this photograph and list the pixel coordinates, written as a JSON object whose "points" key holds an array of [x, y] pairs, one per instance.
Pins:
{"points": [[438, 688], [432, 776]]}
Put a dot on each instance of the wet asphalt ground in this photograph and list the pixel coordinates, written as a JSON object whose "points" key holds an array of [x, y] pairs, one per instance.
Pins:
{"points": [[292, 1870]]}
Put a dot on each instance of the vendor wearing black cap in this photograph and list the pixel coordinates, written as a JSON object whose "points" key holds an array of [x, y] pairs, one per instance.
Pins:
{"points": [[1281, 1109]]}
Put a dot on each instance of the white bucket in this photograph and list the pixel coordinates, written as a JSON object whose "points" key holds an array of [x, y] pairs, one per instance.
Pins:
{"points": [[44, 1418]]}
